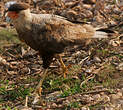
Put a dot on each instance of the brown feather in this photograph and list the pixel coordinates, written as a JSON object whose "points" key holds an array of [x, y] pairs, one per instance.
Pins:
{"points": [[50, 34]]}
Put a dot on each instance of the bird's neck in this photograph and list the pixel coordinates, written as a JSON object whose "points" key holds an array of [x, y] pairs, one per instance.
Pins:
{"points": [[23, 21]]}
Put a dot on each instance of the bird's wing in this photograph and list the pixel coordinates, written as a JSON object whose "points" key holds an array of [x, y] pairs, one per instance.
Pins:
{"points": [[58, 28]]}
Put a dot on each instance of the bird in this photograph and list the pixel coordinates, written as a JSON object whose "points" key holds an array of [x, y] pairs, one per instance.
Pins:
{"points": [[49, 34]]}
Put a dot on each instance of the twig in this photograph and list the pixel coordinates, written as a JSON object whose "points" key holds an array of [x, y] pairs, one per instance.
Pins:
{"points": [[36, 107], [26, 101], [88, 78], [96, 91], [83, 60]]}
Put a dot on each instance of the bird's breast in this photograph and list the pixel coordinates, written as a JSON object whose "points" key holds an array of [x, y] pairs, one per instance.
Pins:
{"points": [[27, 35]]}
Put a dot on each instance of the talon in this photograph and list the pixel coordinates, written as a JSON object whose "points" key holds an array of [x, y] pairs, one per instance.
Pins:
{"points": [[36, 99], [38, 90], [65, 69]]}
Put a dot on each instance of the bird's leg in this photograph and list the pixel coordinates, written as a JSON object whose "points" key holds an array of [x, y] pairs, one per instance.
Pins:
{"points": [[65, 70], [38, 89]]}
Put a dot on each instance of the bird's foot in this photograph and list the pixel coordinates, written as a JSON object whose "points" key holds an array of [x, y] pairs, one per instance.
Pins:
{"points": [[38, 96], [65, 70], [36, 99], [38, 90]]}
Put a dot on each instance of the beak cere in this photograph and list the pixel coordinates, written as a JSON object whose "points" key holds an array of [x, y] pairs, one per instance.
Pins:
{"points": [[12, 15]]}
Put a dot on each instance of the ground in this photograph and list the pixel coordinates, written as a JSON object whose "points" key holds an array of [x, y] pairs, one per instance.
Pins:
{"points": [[95, 76]]}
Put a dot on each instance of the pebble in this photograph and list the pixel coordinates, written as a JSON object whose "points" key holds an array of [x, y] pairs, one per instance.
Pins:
{"points": [[97, 59], [88, 71], [84, 108]]}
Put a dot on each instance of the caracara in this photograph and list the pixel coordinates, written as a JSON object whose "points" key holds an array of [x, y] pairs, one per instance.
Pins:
{"points": [[48, 34]]}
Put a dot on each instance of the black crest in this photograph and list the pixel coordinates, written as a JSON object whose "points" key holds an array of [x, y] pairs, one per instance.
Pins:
{"points": [[18, 7]]}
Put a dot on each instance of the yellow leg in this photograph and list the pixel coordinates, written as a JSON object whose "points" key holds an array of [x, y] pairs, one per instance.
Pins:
{"points": [[65, 70], [38, 89]]}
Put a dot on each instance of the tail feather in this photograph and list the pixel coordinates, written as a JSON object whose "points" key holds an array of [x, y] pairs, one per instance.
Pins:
{"points": [[100, 34]]}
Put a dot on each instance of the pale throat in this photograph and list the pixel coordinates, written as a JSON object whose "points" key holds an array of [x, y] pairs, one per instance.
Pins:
{"points": [[23, 21]]}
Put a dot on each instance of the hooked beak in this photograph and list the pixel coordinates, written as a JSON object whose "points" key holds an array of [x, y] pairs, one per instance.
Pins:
{"points": [[5, 17], [4, 14]]}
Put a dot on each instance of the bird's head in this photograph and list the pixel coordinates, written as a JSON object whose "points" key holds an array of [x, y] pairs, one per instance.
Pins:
{"points": [[18, 10]]}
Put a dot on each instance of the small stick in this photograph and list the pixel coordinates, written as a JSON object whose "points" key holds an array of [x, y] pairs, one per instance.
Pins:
{"points": [[26, 101], [85, 81]]}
